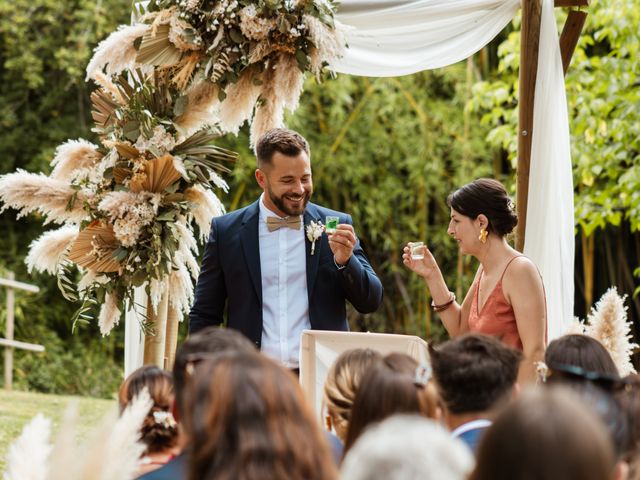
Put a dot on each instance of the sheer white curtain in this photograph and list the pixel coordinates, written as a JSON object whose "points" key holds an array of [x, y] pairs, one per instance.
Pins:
{"points": [[549, 240], [399, 37], [389, 38]]}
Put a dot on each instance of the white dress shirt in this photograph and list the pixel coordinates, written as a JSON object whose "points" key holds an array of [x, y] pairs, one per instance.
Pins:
{"points": [[285, 302]]}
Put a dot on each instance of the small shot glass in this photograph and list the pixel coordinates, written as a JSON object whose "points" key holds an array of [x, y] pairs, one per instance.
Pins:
{"points": [[417, 250], [331, 224]]}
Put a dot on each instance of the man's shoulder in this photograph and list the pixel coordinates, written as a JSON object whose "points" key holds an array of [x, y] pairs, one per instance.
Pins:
{"points": [[175, 469]]}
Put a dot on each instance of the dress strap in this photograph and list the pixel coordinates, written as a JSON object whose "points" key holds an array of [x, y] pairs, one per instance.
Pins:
{"points": [[507, 266]]}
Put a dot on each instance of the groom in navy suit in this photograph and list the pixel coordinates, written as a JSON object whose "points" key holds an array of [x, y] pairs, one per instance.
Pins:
{"points": [[259, 260]]}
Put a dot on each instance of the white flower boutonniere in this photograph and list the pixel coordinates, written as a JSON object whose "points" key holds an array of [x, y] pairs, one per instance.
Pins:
{"points": [[314, 232]]}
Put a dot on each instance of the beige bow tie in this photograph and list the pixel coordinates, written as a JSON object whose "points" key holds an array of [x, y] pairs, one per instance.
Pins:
{"points": [[275, 223]]}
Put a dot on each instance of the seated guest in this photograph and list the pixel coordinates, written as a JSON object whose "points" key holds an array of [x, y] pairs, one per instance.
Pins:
{"points": [[547, 434], [393, 384], [249, 420], [629, 399], [473, 374], [341, 385], [580, 351], [407, 447], [205, 344], [159, 430]]}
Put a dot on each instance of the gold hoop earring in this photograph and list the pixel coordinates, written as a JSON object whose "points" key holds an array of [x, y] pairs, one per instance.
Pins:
{"points": [[483, 235]]}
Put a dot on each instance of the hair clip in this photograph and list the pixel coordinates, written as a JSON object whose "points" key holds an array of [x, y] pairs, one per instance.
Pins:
{"points": [[422, 375], [542, 371], [164, 418]]}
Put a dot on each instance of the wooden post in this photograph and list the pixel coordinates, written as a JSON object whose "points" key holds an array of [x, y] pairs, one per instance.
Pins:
{"points": [[570, 36], [154, 344], [530, 40], [171, 341], [9, 331]]}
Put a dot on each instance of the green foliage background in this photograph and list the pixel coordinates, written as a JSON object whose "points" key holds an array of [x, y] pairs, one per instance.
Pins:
{"points": [[386, 150]]}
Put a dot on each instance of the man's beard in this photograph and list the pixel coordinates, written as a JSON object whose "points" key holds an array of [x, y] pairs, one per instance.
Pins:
{"points": [[279, 202]]}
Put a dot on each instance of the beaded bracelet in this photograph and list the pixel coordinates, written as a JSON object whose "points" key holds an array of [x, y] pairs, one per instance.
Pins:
{"points": [[444, 306]]}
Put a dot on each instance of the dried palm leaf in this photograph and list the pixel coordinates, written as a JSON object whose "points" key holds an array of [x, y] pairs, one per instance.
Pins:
{"points": [[94, 247], [185, 69], [157, 49], [104, 107], [159, 174], [121, 174], [126, 150]]}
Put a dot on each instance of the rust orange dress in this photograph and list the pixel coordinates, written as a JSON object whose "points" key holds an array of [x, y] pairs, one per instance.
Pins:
{"points": [[496, 318]]}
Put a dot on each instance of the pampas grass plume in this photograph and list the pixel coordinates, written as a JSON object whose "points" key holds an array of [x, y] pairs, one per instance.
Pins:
{"points": [[30, 192], [109, 314], [608, 323], [116, 53], [29, 455], [46, 252], [63, 462], [238, 105], [73, 155], [202, 101], [207, 206]]}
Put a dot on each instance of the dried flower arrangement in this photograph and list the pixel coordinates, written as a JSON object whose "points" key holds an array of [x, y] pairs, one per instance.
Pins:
{"points": [[244, 59], [127, 206]]}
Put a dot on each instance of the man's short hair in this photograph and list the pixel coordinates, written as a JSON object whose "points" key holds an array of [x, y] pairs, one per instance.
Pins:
{"points": [[473, 372], [200, 346], [282, 140]]}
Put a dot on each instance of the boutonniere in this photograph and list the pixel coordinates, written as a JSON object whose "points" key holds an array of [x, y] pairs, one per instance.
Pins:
{"points": [[314, 232]]}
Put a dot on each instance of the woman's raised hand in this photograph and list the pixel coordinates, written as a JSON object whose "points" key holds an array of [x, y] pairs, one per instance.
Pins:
{"points": [[425, 267]]}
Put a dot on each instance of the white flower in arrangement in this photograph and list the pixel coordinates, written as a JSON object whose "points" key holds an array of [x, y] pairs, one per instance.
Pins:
{"points": [[130, 213], [161, 139], [314, 232], [253, 26]]}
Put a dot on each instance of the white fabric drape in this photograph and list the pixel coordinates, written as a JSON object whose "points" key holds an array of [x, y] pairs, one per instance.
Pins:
{"points": [[399, 37], [549, 239], [389, 38]]}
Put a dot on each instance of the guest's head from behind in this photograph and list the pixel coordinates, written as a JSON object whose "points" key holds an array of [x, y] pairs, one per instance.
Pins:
{"points": [[284, 171], [473, 374], [250, 421], [159, 431], [394, 384], [546, 434], [581, 351], [482, 205], [201, 346], [342, 383], [407, 447]]}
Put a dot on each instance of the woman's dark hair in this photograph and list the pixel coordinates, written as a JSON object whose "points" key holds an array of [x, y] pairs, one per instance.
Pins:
{"points": [[387, 388], [161, 433], [546, 434], [250, 421], [488, 197], [580, 351]]}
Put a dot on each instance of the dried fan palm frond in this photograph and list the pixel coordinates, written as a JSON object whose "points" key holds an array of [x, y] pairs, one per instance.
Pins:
{"points": [[30, 192], [156, 48], [126, 150], [608, 323], [28, 456], [72, 155], [184, 70], [103, 108], [109, 314], [159, 172], [206, 207], [116, 53], [202, 100], [270, 111], [108, 86], [46, 252], [260, 51], [94, 247], [239, 103]]}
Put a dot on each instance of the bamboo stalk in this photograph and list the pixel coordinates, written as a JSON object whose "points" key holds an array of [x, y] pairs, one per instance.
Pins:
{"points": [[171, 340], [154, 345], [588, 250]]}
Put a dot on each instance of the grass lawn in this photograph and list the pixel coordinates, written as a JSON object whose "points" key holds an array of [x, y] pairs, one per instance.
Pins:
{"points": [[18, 408]]}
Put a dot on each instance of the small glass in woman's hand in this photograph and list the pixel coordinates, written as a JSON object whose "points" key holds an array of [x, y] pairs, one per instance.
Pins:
{"points": [[331, 224], [417, 250]]}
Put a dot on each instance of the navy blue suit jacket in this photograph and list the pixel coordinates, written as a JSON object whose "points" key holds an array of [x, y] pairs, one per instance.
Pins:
{"points": [[231, 276]]}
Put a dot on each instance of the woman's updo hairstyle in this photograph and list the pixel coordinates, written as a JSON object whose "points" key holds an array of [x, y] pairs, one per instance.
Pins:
{"points": [[159, 430], [488, 197]]}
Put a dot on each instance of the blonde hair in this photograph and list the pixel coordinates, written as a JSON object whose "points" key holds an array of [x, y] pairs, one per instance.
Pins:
{"points": [[342, 384]]}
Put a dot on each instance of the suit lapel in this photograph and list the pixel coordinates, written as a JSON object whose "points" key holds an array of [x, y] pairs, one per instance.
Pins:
{"points": [[312, 214], [250, 246]]}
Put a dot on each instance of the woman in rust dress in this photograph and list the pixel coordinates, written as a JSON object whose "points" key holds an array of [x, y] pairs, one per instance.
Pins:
{"points": [[506, 299]]}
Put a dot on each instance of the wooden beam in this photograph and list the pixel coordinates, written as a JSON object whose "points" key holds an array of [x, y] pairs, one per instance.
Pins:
{"points": [[529, 42], [34, 347], [571, 3], [570, 36], [19, 285], [8, 333]]}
